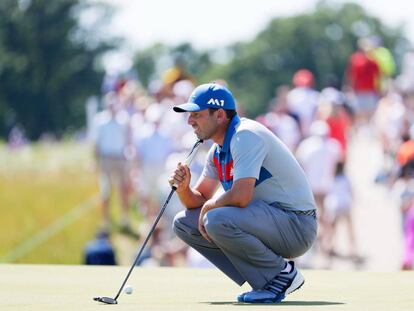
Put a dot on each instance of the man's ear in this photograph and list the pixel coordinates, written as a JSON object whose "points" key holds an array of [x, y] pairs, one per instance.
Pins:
{"points": [[221, 115]]}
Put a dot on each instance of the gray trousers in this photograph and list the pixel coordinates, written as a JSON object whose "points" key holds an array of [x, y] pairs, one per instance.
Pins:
{"points": [[249, 244]]}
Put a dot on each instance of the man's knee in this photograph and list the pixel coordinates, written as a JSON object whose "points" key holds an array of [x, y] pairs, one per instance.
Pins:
{"points": [[178, 223], [216, 223], [184, 224]]}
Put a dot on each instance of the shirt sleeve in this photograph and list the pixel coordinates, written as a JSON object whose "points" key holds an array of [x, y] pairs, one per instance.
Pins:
{"points": [[209, 169], [248, 151]]}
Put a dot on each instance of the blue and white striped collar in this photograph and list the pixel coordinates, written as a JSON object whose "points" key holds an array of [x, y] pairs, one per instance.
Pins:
{"points": [[229, 134]]}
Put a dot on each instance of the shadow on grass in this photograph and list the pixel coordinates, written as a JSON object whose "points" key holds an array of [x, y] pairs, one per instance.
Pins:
{"points": [[285, 303]]}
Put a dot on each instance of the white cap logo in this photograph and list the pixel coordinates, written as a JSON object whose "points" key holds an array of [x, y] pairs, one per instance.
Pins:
{"points": [[216, 102]]}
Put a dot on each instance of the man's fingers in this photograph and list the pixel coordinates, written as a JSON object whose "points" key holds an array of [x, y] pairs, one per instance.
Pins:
{"points": [[186, 169], [181, 172], [206, 236], [180, 177], [183, 168], [203, 232]]}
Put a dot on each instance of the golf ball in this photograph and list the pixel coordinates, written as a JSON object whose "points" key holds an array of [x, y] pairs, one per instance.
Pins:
{"points": [[128, 289]]}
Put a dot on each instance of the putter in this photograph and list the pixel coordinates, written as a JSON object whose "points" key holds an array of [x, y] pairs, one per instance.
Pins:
{"points": [[114, 301]]}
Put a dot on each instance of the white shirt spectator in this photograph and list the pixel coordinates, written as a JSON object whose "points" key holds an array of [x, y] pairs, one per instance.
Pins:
{"points": [[285, 127], [303, 101], [110, 133], [339, 199], [154, 147], [389, 120], [319, 155]]}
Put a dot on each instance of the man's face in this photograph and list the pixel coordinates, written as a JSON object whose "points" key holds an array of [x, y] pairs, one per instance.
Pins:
{"points": [[204, 124]]}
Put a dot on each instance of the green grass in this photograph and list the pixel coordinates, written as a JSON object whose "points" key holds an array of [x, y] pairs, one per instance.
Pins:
{"points": [[39, 184], [51, 287]]}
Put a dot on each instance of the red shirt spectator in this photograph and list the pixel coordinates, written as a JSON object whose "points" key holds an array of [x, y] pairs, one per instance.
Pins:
{"points": [[339, 124], [363, 73]]}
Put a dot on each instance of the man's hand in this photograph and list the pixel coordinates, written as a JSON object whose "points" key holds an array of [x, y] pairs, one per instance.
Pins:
{"points": [[180, 178], [208, 205]]}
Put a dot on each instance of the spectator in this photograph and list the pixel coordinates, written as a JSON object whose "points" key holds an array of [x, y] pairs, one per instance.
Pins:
{"points": [[111, 145], [363, 73], [280, 122], [389, 121], [404, 190], [17, 137], [153, 148], [302, 100], [408, 238], [383, 57], [405, 80], [332, 109], [319, 154], [338, 205], [401, 172], [100, 251]]}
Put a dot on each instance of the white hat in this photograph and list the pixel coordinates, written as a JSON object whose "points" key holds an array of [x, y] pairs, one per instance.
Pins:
{"points": [[319, 128], [154, 113], [333, 96]]}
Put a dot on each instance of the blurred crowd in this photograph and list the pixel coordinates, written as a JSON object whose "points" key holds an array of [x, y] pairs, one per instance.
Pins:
{"points": [[138, 141]]}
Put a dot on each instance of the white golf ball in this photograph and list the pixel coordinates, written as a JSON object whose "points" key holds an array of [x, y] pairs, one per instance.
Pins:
{"points": [[128, 289]]}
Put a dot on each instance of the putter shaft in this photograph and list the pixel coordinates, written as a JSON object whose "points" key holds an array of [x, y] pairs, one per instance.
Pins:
{"points": [[109, 300]]}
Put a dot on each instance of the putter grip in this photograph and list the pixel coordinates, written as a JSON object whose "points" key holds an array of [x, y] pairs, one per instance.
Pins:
{"points": [[190, 158]]}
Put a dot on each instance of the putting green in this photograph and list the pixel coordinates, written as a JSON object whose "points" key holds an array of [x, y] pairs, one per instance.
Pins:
{"points": [[46, 287]]}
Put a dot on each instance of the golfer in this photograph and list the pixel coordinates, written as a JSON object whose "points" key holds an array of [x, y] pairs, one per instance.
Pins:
{"points": [[265, 215]]}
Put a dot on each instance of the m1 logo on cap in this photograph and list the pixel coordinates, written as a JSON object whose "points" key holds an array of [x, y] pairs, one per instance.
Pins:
{"points": [[216, 102]]}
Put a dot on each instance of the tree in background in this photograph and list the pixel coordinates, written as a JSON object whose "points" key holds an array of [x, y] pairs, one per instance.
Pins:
{"points": [[320, 41], [151, 62], [49, 58], [49, 64]]}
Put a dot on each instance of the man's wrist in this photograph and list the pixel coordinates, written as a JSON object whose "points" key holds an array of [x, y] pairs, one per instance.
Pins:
{"points": [[215, 203], [183, 189], [212, 203]]}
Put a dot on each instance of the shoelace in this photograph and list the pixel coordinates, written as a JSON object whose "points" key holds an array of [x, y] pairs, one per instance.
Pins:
{"points": [[278, 285]]}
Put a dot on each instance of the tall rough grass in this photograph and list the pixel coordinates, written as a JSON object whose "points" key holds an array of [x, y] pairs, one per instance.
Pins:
{"points": [[40, 184]]}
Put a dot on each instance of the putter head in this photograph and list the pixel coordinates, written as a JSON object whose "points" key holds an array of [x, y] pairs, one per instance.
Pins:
{"points": [[107, 300]]}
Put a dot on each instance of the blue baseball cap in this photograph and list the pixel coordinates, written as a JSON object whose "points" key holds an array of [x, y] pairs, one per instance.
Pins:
{"points": [[210, 95]]}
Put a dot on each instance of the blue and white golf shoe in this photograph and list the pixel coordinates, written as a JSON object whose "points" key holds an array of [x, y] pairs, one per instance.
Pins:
{"points": [[277, 289]]}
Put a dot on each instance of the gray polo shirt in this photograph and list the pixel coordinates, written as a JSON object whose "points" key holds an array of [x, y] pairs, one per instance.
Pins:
{"points": [[251, 150]]}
